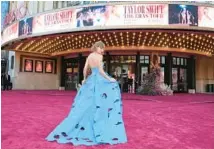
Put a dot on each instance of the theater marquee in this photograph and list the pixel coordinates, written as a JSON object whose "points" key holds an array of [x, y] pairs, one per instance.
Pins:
{"points": [[100, 17]]}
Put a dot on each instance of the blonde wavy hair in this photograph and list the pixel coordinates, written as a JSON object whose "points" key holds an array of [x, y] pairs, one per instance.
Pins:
{"points": [[97, 44]]}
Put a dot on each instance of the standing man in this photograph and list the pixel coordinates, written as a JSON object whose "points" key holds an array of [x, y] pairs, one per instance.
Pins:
{"points": [[6, 81], [2, 81]]}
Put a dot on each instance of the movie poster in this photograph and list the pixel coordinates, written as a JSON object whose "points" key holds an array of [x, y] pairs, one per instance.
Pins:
{"points": [[206, 17], [25, 26], [49, 67], [55, 21], [186, 15], [28, 65], [90, 16], [39, 66]]}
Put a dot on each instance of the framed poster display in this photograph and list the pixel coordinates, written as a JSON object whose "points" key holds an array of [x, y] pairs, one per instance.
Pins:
{"points": [[48, 66], [28, 65], [39, 66]]}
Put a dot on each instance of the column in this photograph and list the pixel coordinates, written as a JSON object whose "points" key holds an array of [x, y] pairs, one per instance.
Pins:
{"points": [[81, 67], [191, 73], [168, 75], [137, 71], [63, 67]]}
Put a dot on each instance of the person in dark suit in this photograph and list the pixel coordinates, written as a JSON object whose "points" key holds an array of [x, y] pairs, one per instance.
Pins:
{"points": [[2, 81], [7, 82], [124, 81]]}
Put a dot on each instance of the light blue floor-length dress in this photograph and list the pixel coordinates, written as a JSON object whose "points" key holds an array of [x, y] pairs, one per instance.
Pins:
{"points": [[96, 115]]}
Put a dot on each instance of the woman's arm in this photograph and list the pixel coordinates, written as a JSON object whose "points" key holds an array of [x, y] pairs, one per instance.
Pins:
{"points": [[102, 72]]}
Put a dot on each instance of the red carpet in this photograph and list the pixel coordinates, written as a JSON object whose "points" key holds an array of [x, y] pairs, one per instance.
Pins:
{"points": [[182, 121]]}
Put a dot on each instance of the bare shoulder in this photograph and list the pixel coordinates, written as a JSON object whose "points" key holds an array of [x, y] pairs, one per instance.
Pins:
{"points": [[99, 57], [95, 56], [90, 56]]}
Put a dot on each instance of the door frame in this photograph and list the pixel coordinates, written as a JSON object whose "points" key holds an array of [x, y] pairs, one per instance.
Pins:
{"points": [[179, 66], [73, 61], [140, 72]]}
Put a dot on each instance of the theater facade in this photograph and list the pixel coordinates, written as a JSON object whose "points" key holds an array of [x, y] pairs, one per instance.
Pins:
{"points": [[48, 50]]}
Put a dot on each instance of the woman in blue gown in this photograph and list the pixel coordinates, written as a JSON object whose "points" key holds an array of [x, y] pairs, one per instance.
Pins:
{"points": [[96, 114]]}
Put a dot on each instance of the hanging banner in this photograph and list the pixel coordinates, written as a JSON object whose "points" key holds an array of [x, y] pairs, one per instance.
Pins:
{"points": [[206, 17], [55, 21], [111, 16], [139, 14], [10, 33], [145, 14]]}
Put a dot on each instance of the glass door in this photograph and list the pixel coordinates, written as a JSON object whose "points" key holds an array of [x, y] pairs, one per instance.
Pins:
{"points": [[162, 75], [123, 70], [71, 74], [182, 82], [143, 71], [175, 79], [179, 74]]}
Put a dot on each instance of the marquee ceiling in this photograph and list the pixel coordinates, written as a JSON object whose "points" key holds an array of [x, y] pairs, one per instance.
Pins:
{"points": [[157, 40]]}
